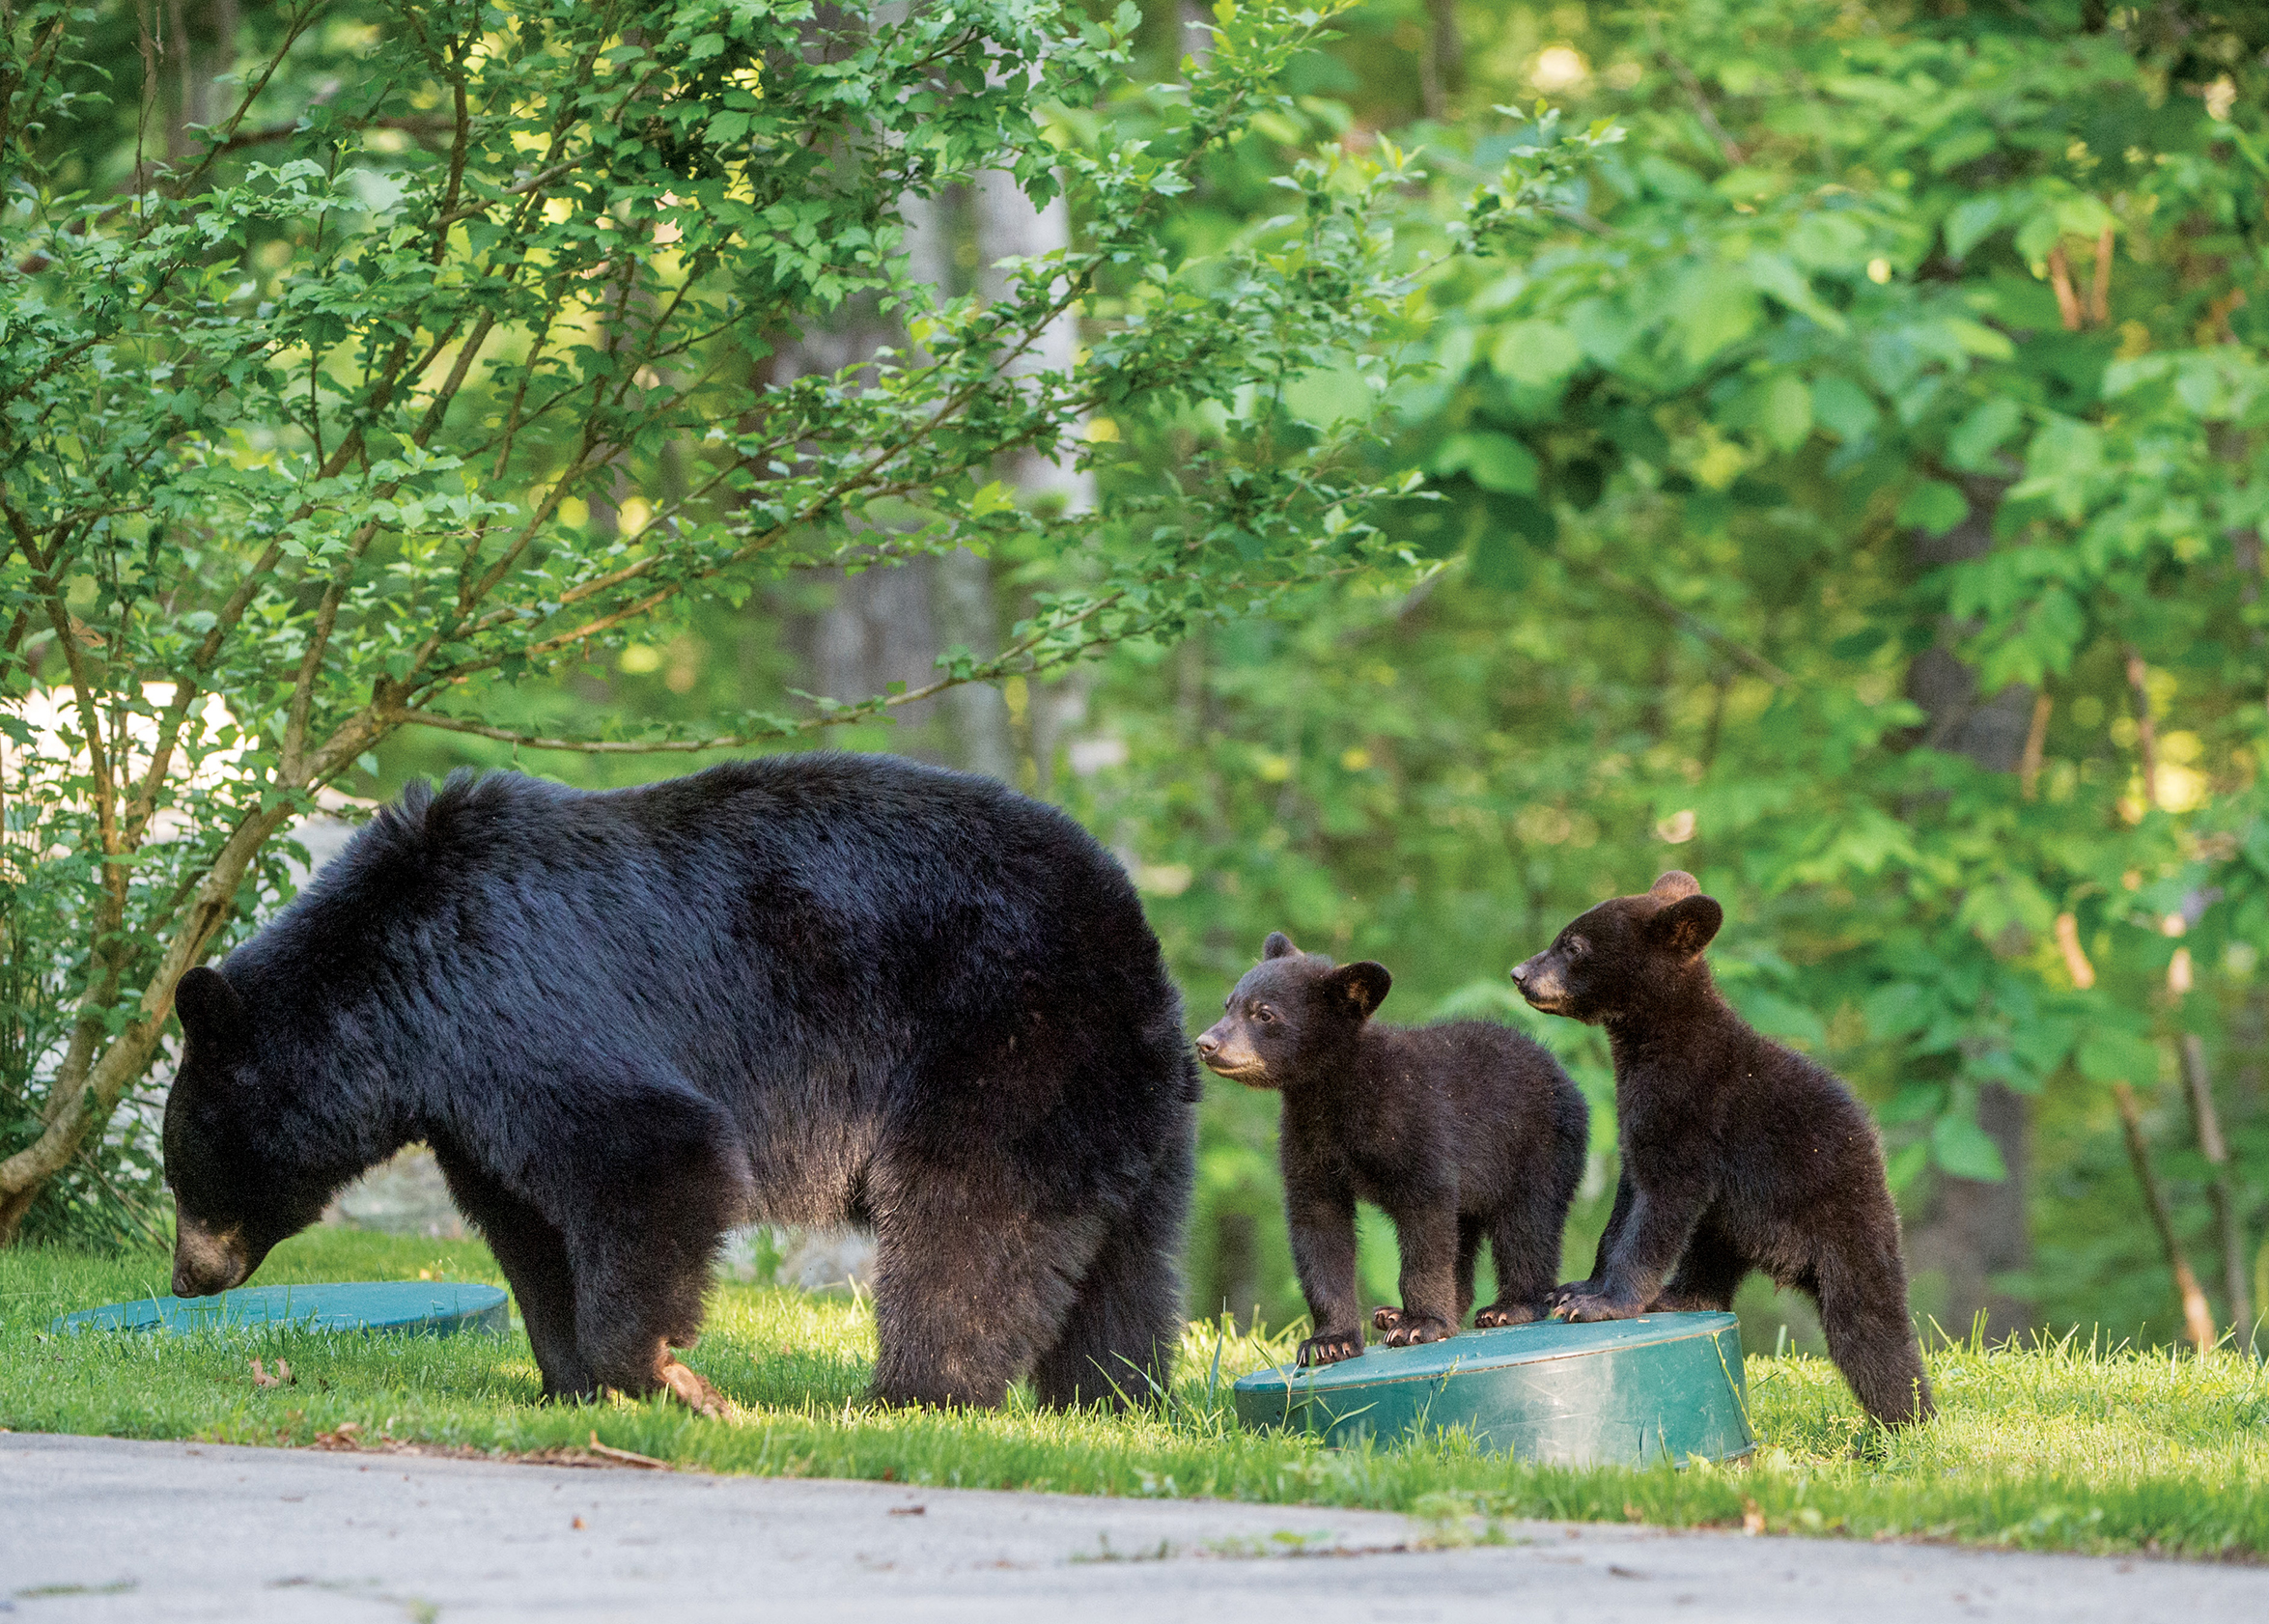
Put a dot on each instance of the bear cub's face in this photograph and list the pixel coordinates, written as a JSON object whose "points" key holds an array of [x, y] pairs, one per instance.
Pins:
{"points": [[1621, 951], [1289, 1010], [229, 1207]]}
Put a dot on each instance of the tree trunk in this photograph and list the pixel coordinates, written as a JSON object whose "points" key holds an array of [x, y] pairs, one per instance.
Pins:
{"points": [[1972, 1231]]}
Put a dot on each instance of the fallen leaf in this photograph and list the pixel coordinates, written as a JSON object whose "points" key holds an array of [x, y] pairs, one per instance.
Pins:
{"points": [[576, 1523], [1752, 1518]]}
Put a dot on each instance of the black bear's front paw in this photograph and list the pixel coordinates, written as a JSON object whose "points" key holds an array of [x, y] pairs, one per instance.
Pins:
{"points": [[1409, 1329], [1330, 1347], [1507, 1313], [1578, 1306], [1386, 1317], [1559, 1295]]}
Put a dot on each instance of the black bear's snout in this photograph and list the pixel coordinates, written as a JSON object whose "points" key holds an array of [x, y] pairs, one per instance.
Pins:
{"points": [[1208, 1046], [208, 1261]]}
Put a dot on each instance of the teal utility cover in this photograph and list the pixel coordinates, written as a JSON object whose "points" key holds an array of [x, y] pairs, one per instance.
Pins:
{"points": [[1612, 1392], [412, 1308]]}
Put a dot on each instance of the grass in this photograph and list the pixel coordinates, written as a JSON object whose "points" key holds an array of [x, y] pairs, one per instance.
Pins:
{"points": [[2059, 1447]]}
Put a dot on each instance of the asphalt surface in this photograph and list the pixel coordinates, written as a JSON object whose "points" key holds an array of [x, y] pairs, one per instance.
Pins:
{"points": [[111, 1530]]}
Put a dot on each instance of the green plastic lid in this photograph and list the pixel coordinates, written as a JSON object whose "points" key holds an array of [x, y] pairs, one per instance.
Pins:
{"points": [[1612, 1392], [410, 1307]]}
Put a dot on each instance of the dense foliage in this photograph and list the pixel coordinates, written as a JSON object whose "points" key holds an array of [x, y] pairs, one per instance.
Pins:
{"points": [[442, 352]]}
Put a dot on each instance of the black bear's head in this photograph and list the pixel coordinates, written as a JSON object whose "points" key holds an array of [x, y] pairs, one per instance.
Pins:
{"points": [[233, 1195], [1623, 953], [1291, 1013]]}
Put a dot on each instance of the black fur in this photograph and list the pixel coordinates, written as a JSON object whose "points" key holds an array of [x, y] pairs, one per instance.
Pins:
{"points": [[1459, 1133], [1738, 1153], [801, 989]]}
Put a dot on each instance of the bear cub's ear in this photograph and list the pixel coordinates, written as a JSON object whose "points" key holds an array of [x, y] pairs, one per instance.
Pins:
{"points": [[1687, 925], [1277, 946], [212, 1013], [1362, 986]]}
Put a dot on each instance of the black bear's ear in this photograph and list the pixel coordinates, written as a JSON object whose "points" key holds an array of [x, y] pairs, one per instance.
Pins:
{"points": [[1674, 886], [1362, 985], [1687, 925], [1277, 946], [213, 1015]]}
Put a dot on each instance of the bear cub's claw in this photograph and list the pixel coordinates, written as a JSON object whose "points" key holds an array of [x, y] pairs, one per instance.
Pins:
{"points": [[1330, 1347], [1578, 1307], [1405, 1330], [1507, 1313], [1413, 1332]]}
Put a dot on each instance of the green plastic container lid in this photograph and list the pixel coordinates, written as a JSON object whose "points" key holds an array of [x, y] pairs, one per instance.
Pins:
{"points": [[1612, 1392], [409, 1307]]}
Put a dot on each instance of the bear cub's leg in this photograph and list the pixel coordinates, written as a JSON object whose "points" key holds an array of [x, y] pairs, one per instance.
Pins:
{"points": [[1426, 1228]]}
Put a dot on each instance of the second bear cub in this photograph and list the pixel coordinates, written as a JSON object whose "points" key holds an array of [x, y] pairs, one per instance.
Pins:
{"points": [[1738, 1153], [1457, 1131]]}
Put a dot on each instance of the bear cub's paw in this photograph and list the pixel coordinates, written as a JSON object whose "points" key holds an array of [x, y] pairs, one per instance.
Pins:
{"points": [[1507, 1313], [1330, 1347], [1407, 1330], [1576, 1306]]}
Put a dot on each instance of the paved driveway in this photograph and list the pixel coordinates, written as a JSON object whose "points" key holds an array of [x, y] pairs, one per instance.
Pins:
{"points": [[107, 1529]]}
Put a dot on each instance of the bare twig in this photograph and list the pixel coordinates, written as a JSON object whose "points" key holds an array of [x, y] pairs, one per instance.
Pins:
{"points": [[2037, 739], [2207, 1121], [2197, 1316], [2060, 279], [1699, 101], [1690, 621]]}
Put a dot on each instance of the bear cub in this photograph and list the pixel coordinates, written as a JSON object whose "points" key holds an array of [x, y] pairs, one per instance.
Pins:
{"points": [[1738, 1153], [1459, 1133]]}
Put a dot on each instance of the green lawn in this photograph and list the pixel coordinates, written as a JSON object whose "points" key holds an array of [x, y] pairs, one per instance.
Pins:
{"points": [[2066, 1447]]}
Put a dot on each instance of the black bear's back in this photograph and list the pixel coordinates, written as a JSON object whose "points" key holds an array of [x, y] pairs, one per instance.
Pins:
{"points": [[829, 945]]}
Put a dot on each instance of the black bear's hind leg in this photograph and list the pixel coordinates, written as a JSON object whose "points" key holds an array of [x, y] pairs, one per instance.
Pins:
{"points": [[1524, 1250], [534, 1258], [969, 1285], [1117, 1342], [1706, 1278], [1863, 1314]]}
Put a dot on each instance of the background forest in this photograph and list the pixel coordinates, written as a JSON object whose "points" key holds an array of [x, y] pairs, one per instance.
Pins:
{"points": [[1843, 480]]}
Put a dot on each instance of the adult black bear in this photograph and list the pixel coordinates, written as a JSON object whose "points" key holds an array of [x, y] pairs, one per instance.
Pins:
{"points": [[1738, 1153], [1458, 1132], [801, 989]]}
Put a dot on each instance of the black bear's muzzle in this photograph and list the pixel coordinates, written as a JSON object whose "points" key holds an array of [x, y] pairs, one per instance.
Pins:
{"points": [[1541, 983], [206, 1260]]}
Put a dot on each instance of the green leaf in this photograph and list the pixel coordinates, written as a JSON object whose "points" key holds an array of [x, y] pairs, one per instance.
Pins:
{"points": [[1968, 222], [1534, 353], [1492, 461], [1934, 507], [1962, 1148], [1713, 308], [1980, 434], [1842, 407], [1786, 411]]}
